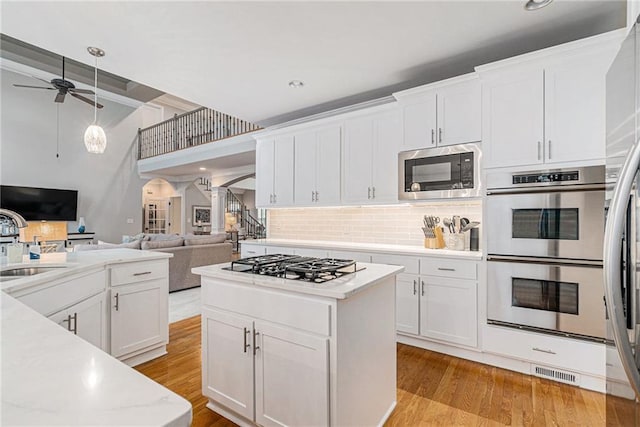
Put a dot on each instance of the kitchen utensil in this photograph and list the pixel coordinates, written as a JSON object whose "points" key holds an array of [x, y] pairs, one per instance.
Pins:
{"points": [[464, 222], [447, 223], [439, 237], [456, 223], [469, 226]]}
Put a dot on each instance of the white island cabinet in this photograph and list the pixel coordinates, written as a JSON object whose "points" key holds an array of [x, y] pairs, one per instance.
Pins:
{"points": [[283, 352]]}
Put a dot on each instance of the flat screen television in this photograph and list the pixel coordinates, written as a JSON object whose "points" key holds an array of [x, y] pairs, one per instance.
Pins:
{"points": [[36, 204]]}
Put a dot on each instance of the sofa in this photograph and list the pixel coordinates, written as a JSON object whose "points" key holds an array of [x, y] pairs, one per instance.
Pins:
{"points": [[188, 251]]}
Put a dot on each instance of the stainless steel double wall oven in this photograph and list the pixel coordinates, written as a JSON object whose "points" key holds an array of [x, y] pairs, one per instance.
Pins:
{"points": [[545, 251]]}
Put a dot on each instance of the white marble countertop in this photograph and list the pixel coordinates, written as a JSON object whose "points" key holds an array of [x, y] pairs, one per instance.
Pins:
{"points": [[340, 288], [52, 377], [71, 263], [368, 247]]}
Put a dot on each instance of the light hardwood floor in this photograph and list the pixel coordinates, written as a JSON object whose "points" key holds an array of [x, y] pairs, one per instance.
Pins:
{"points": [[433, 389]]}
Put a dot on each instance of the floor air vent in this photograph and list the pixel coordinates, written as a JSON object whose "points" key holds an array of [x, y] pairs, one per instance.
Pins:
{"points": [[555, 374]]}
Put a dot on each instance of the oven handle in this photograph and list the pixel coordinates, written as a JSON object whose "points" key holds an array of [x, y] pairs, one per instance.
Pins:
{"points": [[546, 189], [545, 261], [614, 229]]}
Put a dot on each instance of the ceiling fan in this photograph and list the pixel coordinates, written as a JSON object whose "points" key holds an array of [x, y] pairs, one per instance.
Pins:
{"points": [[63, 87]]}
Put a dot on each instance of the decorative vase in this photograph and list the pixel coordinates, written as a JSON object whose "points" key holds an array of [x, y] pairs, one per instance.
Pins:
{"points": [[81, 226]]}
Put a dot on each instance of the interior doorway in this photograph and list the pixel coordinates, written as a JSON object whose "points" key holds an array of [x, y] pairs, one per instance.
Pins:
{"points": [[162, 207]]}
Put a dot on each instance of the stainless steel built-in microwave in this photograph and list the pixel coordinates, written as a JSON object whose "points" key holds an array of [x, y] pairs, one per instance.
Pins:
{"points": [[438, 173]]}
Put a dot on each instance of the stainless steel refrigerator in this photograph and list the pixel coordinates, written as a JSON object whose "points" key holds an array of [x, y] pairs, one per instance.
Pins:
{"points": [[622, 233]]}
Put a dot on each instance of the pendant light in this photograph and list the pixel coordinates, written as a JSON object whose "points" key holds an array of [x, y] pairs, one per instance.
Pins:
{"points": [[94, 137]]}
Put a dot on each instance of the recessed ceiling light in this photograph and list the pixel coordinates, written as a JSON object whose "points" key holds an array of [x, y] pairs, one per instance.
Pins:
{"points": [[296, 84], [536, 4], [203, 169]]}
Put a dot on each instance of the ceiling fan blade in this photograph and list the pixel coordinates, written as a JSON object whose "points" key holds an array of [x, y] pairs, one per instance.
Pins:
{"points": [[60, 97], [87, 91], [87, 100], [35, 87]]}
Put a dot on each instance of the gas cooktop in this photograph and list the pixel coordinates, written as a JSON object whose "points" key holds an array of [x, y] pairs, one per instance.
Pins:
{"points": [[309, 269]]}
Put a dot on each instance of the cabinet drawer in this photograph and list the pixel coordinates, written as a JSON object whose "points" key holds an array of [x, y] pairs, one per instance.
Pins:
{"points": [[458, 269], [410, 263], [571, 354], [251, 250], [62, 294], [277, 307], [134, 272]]}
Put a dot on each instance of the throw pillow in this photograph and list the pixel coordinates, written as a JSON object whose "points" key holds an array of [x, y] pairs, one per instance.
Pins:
{"points": [[161, 236], [159, 244], [103, 245], [192, 240]]}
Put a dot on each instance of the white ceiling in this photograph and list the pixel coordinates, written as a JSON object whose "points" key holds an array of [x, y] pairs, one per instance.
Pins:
{"points": [[237, 57]]}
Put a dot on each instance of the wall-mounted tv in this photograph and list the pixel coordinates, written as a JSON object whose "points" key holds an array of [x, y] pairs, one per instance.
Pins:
{"points": [[36, 204]]}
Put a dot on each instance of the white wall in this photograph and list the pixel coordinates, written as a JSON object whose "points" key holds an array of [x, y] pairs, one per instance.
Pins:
{"points": [[193, 196], [109, 189]]}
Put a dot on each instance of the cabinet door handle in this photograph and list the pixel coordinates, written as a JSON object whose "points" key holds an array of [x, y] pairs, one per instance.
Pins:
{"points": [[446, 269], [270, 198], [368, 192], [539, 145], [433, 137], [275, 198], [373, 192], [317, 196], [117, 297], [541, 350], [75, 323], [68, 322], [246, 345], [415, 287], [142, 274], [439, 135], [549, 150], [422, 290], [255, 347]]}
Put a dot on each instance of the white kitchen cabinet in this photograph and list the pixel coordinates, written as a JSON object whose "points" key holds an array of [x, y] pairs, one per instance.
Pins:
{"points": [[407, 303], [292, 377], [445, 113], [274, 171], [448, 310], [317, 167], [547, 112], [371, 158], [249, 250], [228, 360], [139, 317], [87, 319]]}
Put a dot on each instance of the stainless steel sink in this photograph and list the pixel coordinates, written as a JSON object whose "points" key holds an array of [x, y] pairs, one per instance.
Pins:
{"points": [[27, 271]]}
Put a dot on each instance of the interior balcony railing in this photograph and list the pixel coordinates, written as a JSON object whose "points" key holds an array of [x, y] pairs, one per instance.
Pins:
{"points": [[190, 129]]}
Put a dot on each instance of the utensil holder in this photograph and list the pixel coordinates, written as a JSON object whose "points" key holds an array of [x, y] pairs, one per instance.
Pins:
{"points": [[431, 243], [455, 241], [439, 237]]}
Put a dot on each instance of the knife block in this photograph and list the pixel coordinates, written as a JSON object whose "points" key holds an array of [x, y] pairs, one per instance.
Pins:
{"points": [[431, 243]]}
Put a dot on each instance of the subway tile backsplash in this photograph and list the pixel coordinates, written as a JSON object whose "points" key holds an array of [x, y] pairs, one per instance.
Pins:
{"points": [[399, 225]]}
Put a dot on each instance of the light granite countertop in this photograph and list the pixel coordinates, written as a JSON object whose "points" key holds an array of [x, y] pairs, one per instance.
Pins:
{"points": [[52, 377], [340, 288], [70, 264], [368, 247]]}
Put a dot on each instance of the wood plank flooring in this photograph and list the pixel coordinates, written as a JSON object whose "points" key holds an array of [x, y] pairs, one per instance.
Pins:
{"points": [[433, 389]]}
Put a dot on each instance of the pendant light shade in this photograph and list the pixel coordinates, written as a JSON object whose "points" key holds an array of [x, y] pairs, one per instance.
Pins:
{"points": [[95, 140]]}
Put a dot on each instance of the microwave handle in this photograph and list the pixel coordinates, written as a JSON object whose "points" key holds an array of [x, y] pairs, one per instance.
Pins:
{"points": [[614, 229]]}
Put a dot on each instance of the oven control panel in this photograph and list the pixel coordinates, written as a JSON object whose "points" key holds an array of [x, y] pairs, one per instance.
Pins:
{"points": [[546, 177]]}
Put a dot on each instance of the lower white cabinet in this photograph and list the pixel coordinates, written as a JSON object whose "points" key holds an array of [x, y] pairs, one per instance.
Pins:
{"points": [[139, 316], [285, 370], [407, 303], [87, 319], [448, 310]]}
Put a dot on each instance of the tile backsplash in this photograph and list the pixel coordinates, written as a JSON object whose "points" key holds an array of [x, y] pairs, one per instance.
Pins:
{"points": [[399, 225]]}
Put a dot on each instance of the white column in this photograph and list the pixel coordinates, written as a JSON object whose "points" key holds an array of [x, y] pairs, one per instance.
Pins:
{"points": [[218, 205]]}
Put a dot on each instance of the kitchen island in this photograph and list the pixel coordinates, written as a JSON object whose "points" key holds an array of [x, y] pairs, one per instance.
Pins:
{"points": [[53, 375], [277, 351]]}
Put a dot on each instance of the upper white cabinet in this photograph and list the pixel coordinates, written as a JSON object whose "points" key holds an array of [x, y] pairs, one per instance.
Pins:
{"points": [[274, 171], [371, 158], [317, 167], [445, 113], [546, 111]]}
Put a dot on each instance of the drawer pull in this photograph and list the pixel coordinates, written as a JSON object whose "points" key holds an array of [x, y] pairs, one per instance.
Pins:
{"points": [[142, 274], [541, 350], [446, 269], [117, 297]]}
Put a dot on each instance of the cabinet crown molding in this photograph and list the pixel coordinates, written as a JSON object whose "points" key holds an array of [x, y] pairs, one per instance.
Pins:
{"points": [[420, 90], [609, 40]]}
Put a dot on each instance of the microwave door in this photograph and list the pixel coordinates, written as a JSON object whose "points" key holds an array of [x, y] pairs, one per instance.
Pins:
{"points": [[432, 173]]}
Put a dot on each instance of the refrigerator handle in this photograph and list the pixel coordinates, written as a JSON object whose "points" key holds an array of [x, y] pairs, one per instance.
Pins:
{"points": [[615, 226]]}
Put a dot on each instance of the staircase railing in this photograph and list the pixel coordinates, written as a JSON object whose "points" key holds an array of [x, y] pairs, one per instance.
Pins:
{"points": [[253, 227], [188, 130]]}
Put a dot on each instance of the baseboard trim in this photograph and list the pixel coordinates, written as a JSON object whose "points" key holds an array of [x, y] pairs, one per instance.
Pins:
{"points": [[145, 357], [229, 414]]}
